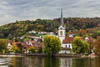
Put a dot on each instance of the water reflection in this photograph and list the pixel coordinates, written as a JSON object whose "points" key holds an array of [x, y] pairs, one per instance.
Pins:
{"points": [[49, 62], [66, 62], [80, 62], [96, 62], [33, 61]]}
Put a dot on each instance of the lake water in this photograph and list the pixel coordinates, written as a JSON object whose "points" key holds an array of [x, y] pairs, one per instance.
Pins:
{"points": [[49, 62]]}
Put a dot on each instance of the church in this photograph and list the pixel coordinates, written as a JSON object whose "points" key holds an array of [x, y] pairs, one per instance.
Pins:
{"points": [[66, 42]]}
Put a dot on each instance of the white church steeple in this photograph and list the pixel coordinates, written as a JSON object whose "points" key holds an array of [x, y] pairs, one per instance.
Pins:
{"points": [[62, 21], [61, 29]]}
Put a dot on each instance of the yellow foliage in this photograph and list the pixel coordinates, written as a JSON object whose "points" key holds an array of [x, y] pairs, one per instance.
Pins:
{"points": [[3, 51], [14, 48], [36, 51], [14, 43]]}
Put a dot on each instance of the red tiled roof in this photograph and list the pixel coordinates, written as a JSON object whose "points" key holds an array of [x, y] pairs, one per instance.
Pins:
{"points": [[36, 44], [90, 40], [10, 41], [26, 46], [68, 40], [18, 43], [98, 37]]}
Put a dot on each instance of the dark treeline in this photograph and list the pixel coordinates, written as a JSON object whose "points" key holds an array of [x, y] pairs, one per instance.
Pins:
{"points": [[20, 28]]}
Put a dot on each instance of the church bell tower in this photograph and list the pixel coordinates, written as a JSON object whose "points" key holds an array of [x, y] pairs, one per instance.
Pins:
{"points": [[61, 29]]}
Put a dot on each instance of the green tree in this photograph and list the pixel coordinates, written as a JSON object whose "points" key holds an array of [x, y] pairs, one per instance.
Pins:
{"points": [[52, 45], [79, 46], [31, 50], [97, 33], [40, 27], [40, 50], [3, 44]]}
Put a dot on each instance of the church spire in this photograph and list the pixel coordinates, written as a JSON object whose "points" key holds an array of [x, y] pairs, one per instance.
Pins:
{"points": [[62, 21]]}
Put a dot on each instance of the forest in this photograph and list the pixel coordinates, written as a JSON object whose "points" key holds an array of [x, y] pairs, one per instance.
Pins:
{"points": [[73, 25]]}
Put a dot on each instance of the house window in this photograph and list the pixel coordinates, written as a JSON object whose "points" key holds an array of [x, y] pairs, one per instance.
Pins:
{"points": [[66, 46], [61, 33]]}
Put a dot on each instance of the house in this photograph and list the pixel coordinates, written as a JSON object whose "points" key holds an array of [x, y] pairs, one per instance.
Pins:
{"points": [[18, 44], [42, 32], [71, 35], [32, 31], [51, 33], [36, 43], [9, 44]]}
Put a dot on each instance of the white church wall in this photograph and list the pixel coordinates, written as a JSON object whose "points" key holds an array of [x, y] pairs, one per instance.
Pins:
{"points": [[63, 33], [9, 46], [67, 45], [61, 39], [64, 51]]}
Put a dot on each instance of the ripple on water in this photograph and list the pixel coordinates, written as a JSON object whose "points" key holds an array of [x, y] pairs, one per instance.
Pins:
{"points": [[4, 62]]}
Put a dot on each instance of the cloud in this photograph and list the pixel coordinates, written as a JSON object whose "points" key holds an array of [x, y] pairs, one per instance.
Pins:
{"points": [[12, 10]]}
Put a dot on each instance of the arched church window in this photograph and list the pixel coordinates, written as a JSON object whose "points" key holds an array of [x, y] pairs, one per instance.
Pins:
{"points": [[61, 28], [61, 33]]}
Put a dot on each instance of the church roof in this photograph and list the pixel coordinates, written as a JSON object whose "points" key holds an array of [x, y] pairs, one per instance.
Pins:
{"points": [[62, 20], [68, 40]]}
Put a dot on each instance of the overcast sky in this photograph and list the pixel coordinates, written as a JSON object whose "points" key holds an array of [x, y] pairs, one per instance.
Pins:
{"points": [[12, 10]]}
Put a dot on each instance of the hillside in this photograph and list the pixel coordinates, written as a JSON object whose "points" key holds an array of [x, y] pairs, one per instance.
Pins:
{"points": [[20, 28]]}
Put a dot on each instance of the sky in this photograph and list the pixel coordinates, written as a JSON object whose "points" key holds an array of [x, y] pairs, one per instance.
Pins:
{"points": [[12, 10]]}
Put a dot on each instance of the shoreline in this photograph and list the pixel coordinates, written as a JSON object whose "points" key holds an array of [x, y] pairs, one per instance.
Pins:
{"points": [[43, 55]]}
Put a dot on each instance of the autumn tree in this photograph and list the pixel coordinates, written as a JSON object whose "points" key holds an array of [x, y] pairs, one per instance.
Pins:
{"points": [[79, 46], [97, 46], [14, 48], [52, 45], [82, 32], [31, 49]]}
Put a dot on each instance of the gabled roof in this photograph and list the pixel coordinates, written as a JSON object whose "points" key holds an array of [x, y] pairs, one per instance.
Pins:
{"points": [[90, 40], [10, 41], [68, 40], [36, 45]]}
